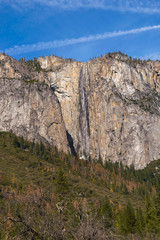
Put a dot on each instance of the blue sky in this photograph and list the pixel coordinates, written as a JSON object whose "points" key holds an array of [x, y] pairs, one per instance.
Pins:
{"points": [[80, 29]]}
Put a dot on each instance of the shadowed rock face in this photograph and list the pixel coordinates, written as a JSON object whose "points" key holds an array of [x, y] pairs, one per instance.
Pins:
{"points": [[28, 108], [110, 108]]}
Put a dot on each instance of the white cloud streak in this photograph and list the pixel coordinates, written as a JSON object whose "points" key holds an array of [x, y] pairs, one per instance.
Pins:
{"points": [[152, 56], [61, 43], [136, 6]]}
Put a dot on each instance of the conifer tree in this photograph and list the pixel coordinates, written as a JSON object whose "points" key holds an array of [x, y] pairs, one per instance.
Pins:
{"points": [[151, 219], [61, 184], [157, 209], [106, 213], [16, 142], [127, 220], [130, 218], [157, 204], [140, 223], [37, 149]]}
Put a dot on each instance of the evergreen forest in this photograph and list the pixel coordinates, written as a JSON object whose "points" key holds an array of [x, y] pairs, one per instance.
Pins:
{"points": [[49, 195]]}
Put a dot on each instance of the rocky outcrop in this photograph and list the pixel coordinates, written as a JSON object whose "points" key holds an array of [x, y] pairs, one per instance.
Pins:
{"points": [[29, 108], [110, 106]]}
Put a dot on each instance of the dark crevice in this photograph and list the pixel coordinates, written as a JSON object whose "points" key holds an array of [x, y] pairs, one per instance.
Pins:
{"points": [[52, 124], [70, 141]]}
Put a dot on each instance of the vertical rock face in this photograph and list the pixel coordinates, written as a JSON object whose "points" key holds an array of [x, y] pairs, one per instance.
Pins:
{"points": [[110, 106], [28, 108], [84, 130]]}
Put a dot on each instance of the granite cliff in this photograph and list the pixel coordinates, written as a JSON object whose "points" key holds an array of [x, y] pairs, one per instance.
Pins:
{"points": [[110, 106], [29, 108]]}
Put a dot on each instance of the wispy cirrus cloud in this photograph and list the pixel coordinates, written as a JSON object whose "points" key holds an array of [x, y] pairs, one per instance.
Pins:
{"points": [[60, 43], [152, 56], [139, 6]]}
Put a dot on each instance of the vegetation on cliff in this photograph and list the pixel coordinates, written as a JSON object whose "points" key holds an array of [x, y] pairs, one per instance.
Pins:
{"points": [[33, 64]]}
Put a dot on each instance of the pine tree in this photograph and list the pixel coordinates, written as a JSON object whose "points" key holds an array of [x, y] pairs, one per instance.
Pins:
{"points": [[41, 148], [130, 218], [157, 208], [157, 204], [16, 143], [37, 149], [127, 220], [31, 147], [62, 186], [21, 142], [151, 220], [106, 213], [140, 222]]}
